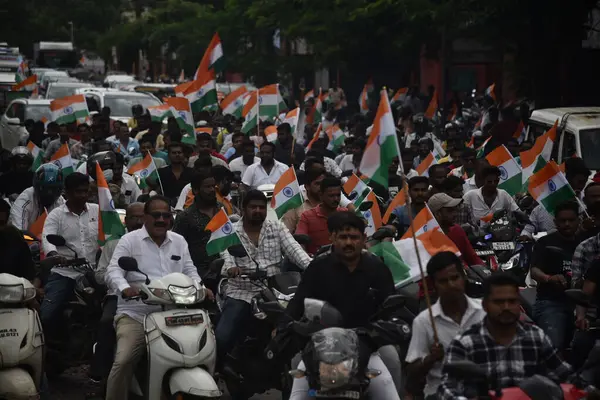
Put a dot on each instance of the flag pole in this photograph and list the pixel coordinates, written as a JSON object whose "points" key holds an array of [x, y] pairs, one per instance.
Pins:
{"points": [[423, 279], [257, 113]]}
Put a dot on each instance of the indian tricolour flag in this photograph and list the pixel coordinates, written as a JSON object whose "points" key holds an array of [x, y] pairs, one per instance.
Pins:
{"points": [[510, 172], [372, 216], [213, 57], [401, 256], [315, 114], [356, 189], [222, 234], [69, 109], [542, 149], [109, 222], [423, 222], [549, 187], [271, 133], [398, 201], [423, 168], [62, 159], [491, 91], [28, 84], [233, 103], [181, 88], [363, 99], [286, 194], [292, 119], [432, 108], [400, 96], [336, 138], [382, 145], [202, 93], [309, 95], [37, 154], [270, 101], [160, 112], [144, 169], [250, 112], [180, 107]]}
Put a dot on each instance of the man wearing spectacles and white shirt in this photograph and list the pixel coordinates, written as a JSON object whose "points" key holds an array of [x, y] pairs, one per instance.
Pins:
{"points": [[158, 252]]}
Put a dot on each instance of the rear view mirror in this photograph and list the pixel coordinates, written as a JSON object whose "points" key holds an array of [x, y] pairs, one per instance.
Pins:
{"points": [[302, 239], [128, 264], [394, 301], [56, 240], [237, 250]]}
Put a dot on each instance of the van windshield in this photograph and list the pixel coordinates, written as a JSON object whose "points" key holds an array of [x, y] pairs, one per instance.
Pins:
{"points": [[590, 148]]}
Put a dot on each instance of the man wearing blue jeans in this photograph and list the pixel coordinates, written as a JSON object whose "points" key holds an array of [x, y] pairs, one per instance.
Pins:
{"points": [[551, 268], [266, 243]]}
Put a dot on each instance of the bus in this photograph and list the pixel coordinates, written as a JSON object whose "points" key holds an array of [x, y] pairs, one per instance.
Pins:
{"points": [[56, 55]]}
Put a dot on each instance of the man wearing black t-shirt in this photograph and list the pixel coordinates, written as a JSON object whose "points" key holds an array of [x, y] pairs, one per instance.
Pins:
{"points": [[551, 268]]}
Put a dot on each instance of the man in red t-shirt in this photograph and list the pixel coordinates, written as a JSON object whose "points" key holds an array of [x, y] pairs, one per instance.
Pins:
{"points": [[313, 222], [444, 209]]}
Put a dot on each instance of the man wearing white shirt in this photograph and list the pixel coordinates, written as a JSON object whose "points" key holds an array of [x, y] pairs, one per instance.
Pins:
{"points": [[158, 252], [268, 171], [488, 199], [77, 222], [241, 164]]}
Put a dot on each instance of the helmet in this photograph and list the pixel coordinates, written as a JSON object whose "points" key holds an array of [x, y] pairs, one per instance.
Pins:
{"points": [[48, 175], [106, 159], [22, 154]]}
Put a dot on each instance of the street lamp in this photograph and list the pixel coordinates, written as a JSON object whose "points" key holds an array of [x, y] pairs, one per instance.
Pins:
{"points": [[72, 36]]}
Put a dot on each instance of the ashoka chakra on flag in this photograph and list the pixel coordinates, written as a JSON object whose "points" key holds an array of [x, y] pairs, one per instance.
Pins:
{"points": [[287, 191], [144, 173], [68, 110], [227, 228], [551, 185]]}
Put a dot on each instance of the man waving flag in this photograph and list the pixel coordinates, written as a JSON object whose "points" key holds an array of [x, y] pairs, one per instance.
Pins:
{"points": [[382, 146]]}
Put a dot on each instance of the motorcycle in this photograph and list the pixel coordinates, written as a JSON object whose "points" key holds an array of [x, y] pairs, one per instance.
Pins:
{"points": [[336, 359], [21, 340], [251, 367], [181, 347], [536, 387], [75, 333]]}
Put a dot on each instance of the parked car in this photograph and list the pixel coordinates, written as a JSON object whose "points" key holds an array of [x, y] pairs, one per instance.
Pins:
{"points": [[12, 122]]}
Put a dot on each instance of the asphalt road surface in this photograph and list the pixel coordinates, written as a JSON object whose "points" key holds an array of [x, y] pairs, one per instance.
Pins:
{"points": [[71, 386]]}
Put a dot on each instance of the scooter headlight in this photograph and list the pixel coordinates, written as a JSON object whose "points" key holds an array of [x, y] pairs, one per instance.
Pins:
{"points": [[16, 294], [184, 295], [333, 376]]}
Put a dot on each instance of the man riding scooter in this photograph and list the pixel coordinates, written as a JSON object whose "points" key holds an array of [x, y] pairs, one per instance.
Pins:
{"points": [[158, 252]]}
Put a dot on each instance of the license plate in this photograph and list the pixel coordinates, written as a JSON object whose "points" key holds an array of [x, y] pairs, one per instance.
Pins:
{"points": [[193, 319], [503, 245], [348, 394], [484, 252]]}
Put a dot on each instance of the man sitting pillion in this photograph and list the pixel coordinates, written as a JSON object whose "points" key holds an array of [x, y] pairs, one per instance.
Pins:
{"points": [[346, 278]]}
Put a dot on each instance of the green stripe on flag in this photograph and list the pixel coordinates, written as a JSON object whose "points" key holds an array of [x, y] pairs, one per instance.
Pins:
{"points": [[393, 260], [513, 185], [221, 244], [563, 194], [70, 118], [208, 100], [111, 225], [291, 204], [67, 171]]}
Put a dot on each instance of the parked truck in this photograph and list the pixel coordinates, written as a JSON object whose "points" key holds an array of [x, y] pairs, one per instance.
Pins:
{"points": [[55, 55]]}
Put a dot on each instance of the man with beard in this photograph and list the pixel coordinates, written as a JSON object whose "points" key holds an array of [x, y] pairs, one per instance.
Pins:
{"points": [[418, 191], [240, 164], [266, 242], [191, 223], [268, 171], [351, 161], [454, 312], [488, 343]]}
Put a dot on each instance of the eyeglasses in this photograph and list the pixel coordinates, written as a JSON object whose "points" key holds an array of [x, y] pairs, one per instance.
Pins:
{"points": [[158, 214]]}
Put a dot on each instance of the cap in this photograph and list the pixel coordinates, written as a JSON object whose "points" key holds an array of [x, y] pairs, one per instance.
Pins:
{"points": [[442, 200]]}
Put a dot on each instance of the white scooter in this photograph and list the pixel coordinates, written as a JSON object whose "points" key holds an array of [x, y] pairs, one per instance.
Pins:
{"points": [[21, 340], [181, 347]]}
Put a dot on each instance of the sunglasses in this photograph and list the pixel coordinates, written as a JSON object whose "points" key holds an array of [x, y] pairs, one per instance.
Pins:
{"points": [[158, 214]]}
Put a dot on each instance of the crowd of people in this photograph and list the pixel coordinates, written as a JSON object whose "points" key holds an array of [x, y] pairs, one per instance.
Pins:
{"points": [[167, 217]]}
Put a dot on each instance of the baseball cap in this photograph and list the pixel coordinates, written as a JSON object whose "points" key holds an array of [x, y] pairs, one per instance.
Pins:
{"points": [[442, 200]]}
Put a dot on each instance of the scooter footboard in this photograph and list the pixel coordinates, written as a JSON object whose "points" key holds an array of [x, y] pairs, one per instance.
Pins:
{"points": [[194, 381], [16, 383]]}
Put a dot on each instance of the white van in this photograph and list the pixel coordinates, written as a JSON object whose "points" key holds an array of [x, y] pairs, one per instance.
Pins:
{"points": [[578, 132]]}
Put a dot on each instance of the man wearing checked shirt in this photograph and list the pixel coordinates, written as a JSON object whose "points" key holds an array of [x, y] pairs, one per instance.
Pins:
{"points": [[266, 242]]}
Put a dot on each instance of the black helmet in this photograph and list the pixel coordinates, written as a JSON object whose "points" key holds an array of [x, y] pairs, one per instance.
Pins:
{"points": [[106, 159], [21, 154]]}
